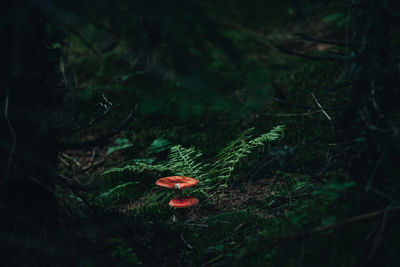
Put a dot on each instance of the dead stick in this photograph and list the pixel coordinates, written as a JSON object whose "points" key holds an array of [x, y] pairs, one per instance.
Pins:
{"points": [[322, 109]]}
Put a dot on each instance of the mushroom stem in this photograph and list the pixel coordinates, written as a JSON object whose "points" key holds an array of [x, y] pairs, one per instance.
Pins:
{"points": [[178, 190], [179, 215], [174, 218]]}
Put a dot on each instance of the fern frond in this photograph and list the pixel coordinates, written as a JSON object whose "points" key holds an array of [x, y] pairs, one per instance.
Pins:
{"points": [[185, 162], [116, 188], [181, 161], [243, 145], [138, 167], [274, 134]]}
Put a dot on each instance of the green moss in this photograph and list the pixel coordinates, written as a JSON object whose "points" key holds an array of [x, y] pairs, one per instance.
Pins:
{"points": [[154, 212], [119, 188]]}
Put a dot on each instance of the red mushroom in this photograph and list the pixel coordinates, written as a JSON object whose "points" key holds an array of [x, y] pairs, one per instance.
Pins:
{"points": [[183, 202], [178, 183]]}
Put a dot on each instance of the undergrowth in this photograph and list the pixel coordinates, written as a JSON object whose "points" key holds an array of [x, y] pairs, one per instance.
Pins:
{"points": [[249, 236], [189, 162]]}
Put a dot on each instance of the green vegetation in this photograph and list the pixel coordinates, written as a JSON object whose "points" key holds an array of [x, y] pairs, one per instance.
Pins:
{"points": [[187, 161]]}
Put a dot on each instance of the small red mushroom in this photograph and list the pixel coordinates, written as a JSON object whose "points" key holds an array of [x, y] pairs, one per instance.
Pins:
{"points": [[183, 202], [178, 183]]}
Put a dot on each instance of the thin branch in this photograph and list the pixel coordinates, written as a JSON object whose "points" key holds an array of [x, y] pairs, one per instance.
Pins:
{"points": [[47, 187], [86, 42], [90, 123], [318, 40], [64, 161], [357, 218], [321, 108], [71, 159], [354, 219], [14, 136], [290, 52], [100, 139], [196, 224], [297, 114], [390, 10], [376, 166], [87, 167], [378, 239], [185, 242], [329, 226]]}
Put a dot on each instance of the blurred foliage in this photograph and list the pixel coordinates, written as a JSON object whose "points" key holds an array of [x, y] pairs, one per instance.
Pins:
{"points": [[120, 143], [183, 58]]}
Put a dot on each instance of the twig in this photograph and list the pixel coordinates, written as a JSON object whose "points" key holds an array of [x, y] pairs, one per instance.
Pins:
{"points": [[197, 224], [87, 167], [378, 239], [321, 108], [213, 260], [290, 52], [65, 178], [166, 258], [377, 164], [357, 218], [100, 140], [14, 137], [296, 114], [48, 188], [354, 219], [233, 232], [318, 40], [90, 123], [390, 10], [73, 183], [71, 159], [333, 225], [93, 165], [371, 233], [185, 242], [86, 42], [380, 193]]}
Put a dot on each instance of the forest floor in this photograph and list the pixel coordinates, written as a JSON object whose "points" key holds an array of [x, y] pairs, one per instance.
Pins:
{"points": [[84, 163], [214, 232]]}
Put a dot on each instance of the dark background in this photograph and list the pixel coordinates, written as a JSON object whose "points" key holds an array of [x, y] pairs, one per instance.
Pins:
{"points": [[89, 86]]}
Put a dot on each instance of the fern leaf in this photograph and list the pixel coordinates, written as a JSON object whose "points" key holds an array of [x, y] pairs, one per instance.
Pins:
{"points": [[138, 167], [243, 145], [116, 188], [185, 161]]}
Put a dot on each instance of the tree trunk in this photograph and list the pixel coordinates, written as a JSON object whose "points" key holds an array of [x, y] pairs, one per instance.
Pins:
{"points": [[27, 152]]}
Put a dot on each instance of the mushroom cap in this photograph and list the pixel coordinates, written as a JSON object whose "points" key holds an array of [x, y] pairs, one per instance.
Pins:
{"points": [[183, 202], [177, 182]]}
